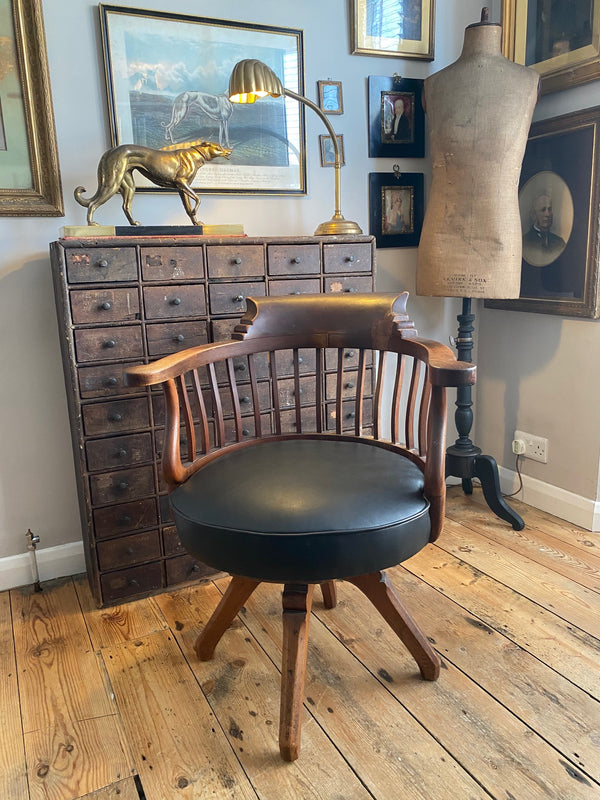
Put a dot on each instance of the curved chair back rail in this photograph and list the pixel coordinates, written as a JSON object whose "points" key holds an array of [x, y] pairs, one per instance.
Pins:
{"points": [[312, 366]]}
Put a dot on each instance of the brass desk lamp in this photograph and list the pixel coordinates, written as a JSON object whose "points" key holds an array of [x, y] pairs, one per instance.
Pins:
{"points": [[250, 80]]}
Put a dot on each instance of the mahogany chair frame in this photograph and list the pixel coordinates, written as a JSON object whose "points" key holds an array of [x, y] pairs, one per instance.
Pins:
{"points": [[402, 377]]}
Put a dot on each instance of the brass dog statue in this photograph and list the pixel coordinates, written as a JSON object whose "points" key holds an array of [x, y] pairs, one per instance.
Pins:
{"points": [[172, 167]]}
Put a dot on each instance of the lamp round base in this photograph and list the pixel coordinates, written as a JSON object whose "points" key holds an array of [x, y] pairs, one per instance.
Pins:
{"points": [[338, 227]]}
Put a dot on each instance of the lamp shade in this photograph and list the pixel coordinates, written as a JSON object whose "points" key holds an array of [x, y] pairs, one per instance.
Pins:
{"points": [[250, 80]]}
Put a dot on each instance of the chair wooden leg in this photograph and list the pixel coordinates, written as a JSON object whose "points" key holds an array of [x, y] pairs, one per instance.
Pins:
{"points": [[329, 594], [236, 594], [377, 587], [297, 603]]}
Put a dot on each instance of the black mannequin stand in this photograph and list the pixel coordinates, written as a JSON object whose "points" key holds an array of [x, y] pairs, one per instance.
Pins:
{"points": [[464, 459]]}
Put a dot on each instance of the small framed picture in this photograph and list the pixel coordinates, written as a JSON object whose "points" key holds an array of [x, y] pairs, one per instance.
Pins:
{"points": [[396, 117], [327, 151], [396, 203], [330, 97]]}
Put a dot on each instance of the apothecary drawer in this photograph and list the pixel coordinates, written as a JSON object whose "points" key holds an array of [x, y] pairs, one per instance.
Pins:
{"points": [[103, 344], [103, 381], [127, 550], [115, 416], [131, 581], [165, 302], [119, 451], [235, 261], [185, 568], [347, 257], [308, 419], [125, 517], [122, 485], [172, 263], [301, 259], [170, 337], [349, 384], [349, 284], [230, 298], [349, 415], [104, 305], [101, 265], [280, 288], [287, 392]]}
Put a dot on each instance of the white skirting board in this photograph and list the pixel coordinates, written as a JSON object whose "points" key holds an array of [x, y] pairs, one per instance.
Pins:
{"points": [[53, 562], [563, 504]]}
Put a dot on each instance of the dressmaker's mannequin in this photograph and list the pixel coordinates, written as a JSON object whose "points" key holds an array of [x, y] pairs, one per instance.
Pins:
{"points": [[479, 111]]}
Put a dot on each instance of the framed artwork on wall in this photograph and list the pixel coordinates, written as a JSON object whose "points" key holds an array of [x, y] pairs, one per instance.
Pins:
{"points": [[397, 28], [396, 117], [560, 40], [396, 206], [30, 183], [559, 197], [327, 152], [167, 81], [330, 97]]}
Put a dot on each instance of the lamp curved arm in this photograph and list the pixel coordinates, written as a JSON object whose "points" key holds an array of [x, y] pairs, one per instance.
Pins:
{"points": [[336, 148]]}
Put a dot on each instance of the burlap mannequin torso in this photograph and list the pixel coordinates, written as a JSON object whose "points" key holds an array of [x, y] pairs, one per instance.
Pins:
{"points": [[479, 111]]}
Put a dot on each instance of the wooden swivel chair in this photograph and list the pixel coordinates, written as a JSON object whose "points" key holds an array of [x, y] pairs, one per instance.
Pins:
{"points": [[314, 447]]}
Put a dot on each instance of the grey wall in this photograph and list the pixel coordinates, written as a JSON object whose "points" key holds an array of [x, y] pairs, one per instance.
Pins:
{"points": [[37, 485]]}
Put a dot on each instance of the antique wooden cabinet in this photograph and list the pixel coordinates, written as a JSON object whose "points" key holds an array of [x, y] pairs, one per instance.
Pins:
{"points": [[125, 300]]}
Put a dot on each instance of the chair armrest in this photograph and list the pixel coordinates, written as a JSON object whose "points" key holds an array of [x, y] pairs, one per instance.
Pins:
{"points": [[444, 369], [171, 366]]}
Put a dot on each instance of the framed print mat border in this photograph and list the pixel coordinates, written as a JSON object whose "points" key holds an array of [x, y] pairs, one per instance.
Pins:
{"points": [[167, 78], [562, 158], [566, 57], [396, 208], [30, 184], [387, 138], [396, 28]]}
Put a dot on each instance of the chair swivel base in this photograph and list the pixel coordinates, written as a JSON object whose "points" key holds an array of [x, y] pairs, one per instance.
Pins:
{"points": [[297, 604]]}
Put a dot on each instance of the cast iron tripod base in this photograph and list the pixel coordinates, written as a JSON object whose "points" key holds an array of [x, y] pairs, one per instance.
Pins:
{"points": [[476, 465], [464, 459]]}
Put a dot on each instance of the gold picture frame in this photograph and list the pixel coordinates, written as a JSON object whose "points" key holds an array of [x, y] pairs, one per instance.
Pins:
{"points": [[396, 29], [564, 57], [30, 183]]}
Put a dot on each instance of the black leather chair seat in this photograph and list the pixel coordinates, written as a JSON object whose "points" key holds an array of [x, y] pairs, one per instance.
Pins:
{"points": [[303, 510]]}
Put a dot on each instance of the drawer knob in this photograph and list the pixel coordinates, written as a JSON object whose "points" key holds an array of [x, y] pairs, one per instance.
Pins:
{"points": [[180, 337], [350, 354], [300, 391], [351, 414], [176, 301], [300, 360], [133, 582], [112, 381], [125, 519], [240, 367], [122, 453], [122, 485], [296, 260], [349, 385], [296, 292], [129, 551], [237, 260], [114, 416], [238, 298], [195, 568], [103, 263], [245, 400], [109, 343], [245, 432], [105, 306], [350, 259], [350, 289]]}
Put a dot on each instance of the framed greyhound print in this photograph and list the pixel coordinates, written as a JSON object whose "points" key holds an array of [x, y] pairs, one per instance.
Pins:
{"points": [[559, 198], [167, 81], [30, 183]]}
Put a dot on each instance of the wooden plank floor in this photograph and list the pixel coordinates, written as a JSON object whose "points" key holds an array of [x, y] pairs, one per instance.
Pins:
{"points": [[111, 704]]}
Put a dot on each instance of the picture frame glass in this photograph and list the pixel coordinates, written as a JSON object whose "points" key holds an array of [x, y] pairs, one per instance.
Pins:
{"points": [[330, 97], [398, 215], [168, 77]]}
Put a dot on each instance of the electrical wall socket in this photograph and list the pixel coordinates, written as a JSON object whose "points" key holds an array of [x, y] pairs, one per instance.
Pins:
{"points": [[530, 446]]}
